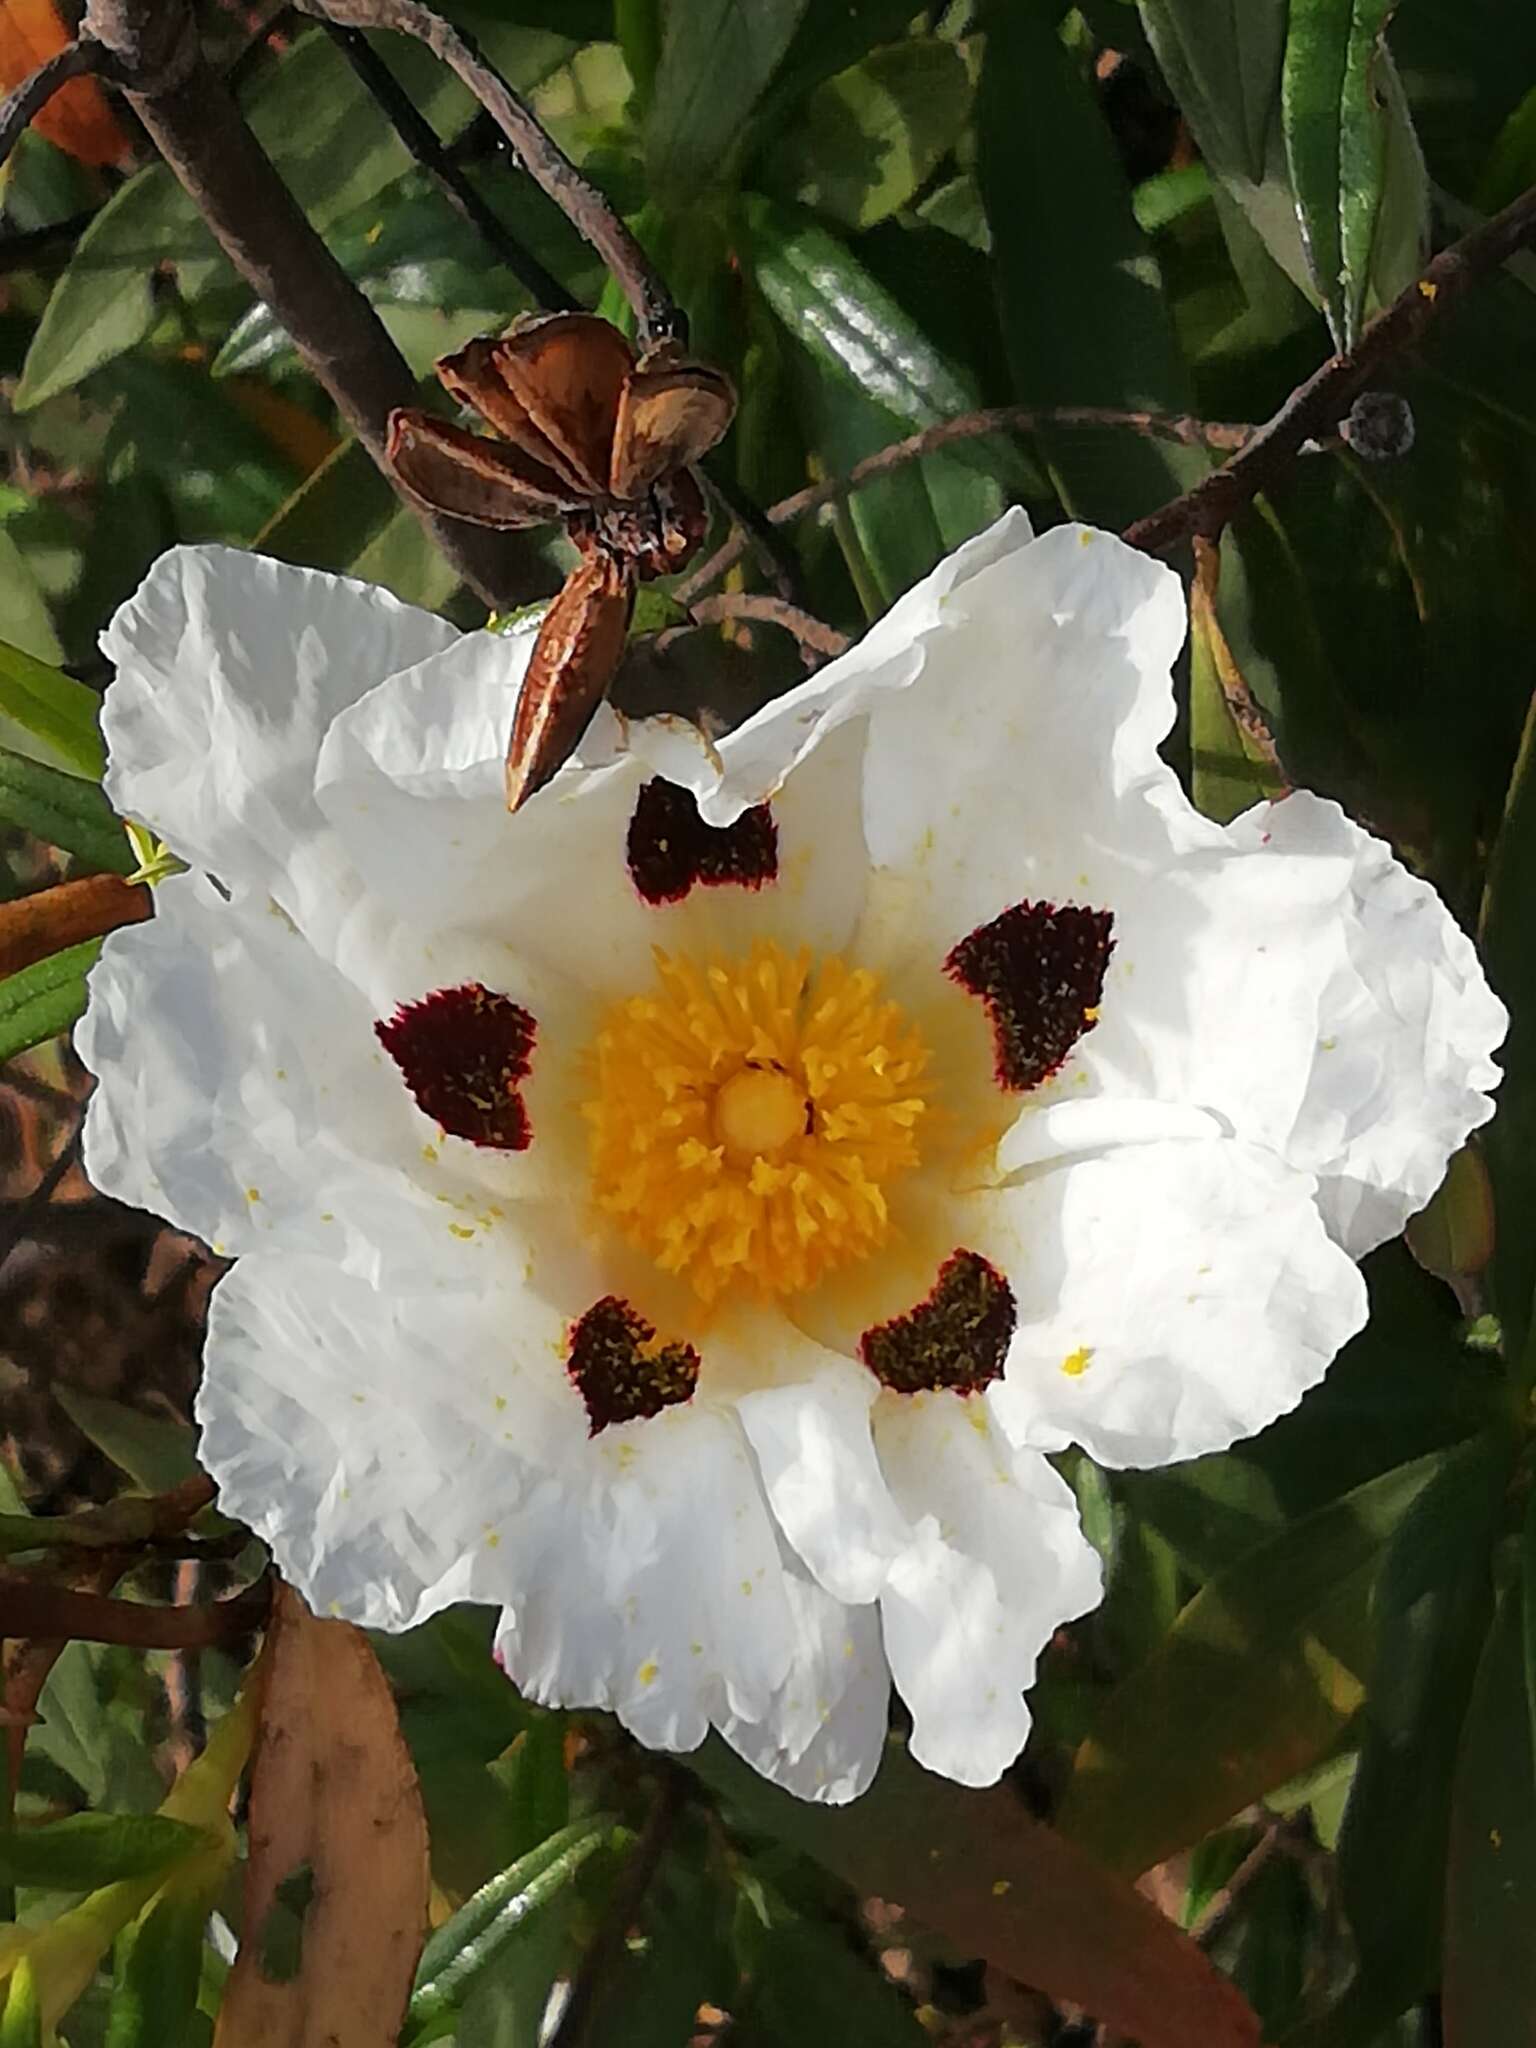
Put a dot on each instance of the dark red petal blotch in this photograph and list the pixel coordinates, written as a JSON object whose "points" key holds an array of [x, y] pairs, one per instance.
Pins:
{"points": [[620, 1370], [956, 1339], [670, 848], [1040, 971], [462, 1052]]}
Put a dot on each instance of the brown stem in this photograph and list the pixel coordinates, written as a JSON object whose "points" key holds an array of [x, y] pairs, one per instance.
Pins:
{"points": [[199, 130], [32, 927], [657, 316], [968, 426], [46, 1613], [22, 106], [1314, 409], [773, 611]]}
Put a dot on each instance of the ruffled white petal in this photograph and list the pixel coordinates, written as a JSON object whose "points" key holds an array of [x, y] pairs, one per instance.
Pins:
{"points": [[230, 668], [1406, 1026], [998, 1562], [1172, 1297]]}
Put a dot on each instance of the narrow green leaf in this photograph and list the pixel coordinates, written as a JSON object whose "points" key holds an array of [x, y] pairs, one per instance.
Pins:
{"points": [[1222, 59], [1078, 288], [45, 999], [21, 2022], [486, 1924], [1252, 1684], [1489, 1984], [25, 618], [716, 58], [1434, 1600], [86, 1850], [837, 311], [333, 514], [1336, 112], [159, 1966], [156, 1453], [66, 811], [60, 714]]}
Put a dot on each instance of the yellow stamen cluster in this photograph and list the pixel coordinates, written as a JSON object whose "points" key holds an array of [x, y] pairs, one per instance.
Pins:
{"points": [[747, 1115]]}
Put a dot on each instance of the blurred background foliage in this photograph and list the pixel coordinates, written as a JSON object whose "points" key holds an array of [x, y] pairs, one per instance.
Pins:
{"points": [[1304, 1716]]}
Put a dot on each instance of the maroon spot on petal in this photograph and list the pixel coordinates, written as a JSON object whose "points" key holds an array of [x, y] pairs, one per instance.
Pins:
{"points": [[670, 847], [621, 1370], [1040, 972], [956, 1339], [462, 1052]]}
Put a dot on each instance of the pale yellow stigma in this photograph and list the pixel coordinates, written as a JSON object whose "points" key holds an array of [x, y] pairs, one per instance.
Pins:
{"points": [[747, 1116]]}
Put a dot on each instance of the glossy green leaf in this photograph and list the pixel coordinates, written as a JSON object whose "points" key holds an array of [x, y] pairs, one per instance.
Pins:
{"points": [[499, 1914], [1223, 64], [1078, 287], [57, 714], [841, 316], [66, 811], [45, 999], [976, 1869], [1433, 1603], [864, 142], [717, 57], [1336, 93], [85, 1850], [1254, 1682], [25, 619], [155, 1452], [21, 2020], [1489, 1987]]}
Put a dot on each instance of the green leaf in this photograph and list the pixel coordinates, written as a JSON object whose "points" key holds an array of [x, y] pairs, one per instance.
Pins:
{"points": [[66, 811], [976, 1869], [156, 1453], [333, 514], [865, 141], [1528, 1593], [808, 1985], [21, 2022], [1510, 1142], [846, 320], [44, 999], [1078, 288], [1489, 1983], [1511, 164], [52, 709], [1434, 1600], [1336, 92], [498, 1914], [716, 58], [159, 1966], [25, 618], [86, 1850], [1254, 1683], [1223, 64]]}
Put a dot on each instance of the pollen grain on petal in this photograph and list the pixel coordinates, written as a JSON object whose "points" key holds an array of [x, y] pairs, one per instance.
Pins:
{"points": [[462, 1052], [623, 1371], [955, 1340], [748, 1115], [669, 847], [1040, 971]]}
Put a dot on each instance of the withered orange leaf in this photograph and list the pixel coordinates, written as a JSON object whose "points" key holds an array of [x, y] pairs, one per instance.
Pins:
{"points": [[567, 371], [472, 477], [669, 416], [572, 664]]}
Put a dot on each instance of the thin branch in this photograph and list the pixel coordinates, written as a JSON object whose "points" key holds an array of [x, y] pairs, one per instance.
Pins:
{"points": [[1220, 1906], [607, 1944], [202, 135], [40, 1612], [656, 314], [19, 108], [420, 138], [969, 426], [773, 611], [1314, 410], [18, 1224]]}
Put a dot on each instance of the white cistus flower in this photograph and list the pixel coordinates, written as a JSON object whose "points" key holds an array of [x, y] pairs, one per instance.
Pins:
{"points": [[687, 1213]]}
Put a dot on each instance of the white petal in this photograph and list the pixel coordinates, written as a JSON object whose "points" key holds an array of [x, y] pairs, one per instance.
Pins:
{"points": [[822, 1478], [1405, 1029], [411, 778], [646, 1578], [1172, 1297], [230, 667], [824, 1732], [1057, 1129], [999, 1563]]}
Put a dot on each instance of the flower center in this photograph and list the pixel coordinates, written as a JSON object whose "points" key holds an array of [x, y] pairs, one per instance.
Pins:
{"points": [[746, 1117]]}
